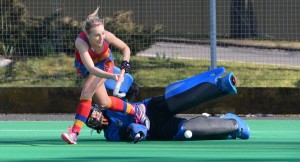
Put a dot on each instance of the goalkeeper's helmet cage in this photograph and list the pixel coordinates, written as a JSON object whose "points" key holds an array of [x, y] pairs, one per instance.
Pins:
{"points": [[93, 122]]}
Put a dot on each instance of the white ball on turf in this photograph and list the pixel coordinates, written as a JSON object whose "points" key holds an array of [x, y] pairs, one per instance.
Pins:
{"points": [[188, 134]]}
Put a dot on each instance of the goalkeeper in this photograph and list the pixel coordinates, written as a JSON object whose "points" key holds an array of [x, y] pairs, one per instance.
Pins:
{"points": [[165, 124]]}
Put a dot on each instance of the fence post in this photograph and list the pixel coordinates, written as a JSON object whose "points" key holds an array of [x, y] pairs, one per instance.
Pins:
{"points": [[213, 41]]}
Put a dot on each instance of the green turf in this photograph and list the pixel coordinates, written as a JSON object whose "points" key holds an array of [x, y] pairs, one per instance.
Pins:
{"points": [[271, 140]]}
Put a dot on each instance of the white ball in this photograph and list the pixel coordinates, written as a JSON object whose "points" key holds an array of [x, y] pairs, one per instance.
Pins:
{"points": [[188, 134], [205, 114]]}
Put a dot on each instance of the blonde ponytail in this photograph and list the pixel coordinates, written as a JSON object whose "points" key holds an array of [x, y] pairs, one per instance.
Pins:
{"points": [[94, 14], [92, 21]]}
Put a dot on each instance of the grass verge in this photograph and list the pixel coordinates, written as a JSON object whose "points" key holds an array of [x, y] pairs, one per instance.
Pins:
{"points": [[58, 71]]}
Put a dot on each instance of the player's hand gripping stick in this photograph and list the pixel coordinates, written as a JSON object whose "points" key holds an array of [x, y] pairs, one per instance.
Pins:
{"points": [[116, 91]]}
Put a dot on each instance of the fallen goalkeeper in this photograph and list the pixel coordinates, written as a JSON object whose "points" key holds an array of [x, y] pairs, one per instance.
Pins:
{"points": [[161, 110]]}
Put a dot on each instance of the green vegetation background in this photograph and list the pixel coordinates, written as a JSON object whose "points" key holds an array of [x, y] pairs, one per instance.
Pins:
{"points": [[59, 71]]}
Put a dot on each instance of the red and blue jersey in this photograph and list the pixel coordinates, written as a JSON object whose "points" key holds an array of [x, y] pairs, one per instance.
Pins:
{"points": [[104, 54]]}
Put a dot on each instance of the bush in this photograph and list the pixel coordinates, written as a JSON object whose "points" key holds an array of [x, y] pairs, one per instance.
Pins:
{"points": [[13, 13], [52, 34], [137, 37], [40, 36]]}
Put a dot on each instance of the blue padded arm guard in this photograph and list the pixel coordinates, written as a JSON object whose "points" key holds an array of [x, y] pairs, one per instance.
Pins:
{"points": [[128, 80]]}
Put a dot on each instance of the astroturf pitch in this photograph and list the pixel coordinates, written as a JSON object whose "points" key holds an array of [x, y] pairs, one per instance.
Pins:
{"points": [[271, 140]]}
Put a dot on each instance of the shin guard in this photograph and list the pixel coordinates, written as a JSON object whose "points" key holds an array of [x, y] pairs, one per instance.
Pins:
{"points": [[194, 91], [207, 128]]}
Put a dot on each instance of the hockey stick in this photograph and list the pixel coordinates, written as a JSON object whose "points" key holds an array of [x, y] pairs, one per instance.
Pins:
{"points": [[116, 91]]}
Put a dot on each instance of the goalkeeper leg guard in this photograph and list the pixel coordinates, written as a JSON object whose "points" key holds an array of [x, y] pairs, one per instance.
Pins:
{"points": [[206, 128], [243, 131], [194, 91]]}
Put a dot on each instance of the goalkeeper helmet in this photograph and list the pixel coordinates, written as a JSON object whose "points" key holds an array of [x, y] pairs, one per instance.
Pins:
{"points": [[96, 119]]}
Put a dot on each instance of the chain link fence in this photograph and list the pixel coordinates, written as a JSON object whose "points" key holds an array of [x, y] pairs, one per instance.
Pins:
{"points": [[169, 40]]}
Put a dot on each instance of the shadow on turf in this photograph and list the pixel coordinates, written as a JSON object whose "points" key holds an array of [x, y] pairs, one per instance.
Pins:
{"points": [[39, 142], [58, 141]]}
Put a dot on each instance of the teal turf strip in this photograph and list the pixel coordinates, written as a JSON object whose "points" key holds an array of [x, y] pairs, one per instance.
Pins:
{"points": [[271, 140]]}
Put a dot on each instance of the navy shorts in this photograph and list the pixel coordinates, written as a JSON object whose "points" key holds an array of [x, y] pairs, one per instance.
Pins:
{"points": [[106, 65]]}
